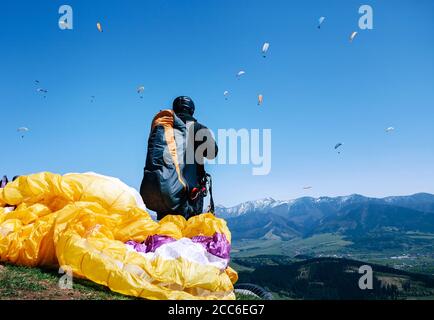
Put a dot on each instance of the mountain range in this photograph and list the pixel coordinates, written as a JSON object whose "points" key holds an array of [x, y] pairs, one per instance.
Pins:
{"points": [[353, 216]]}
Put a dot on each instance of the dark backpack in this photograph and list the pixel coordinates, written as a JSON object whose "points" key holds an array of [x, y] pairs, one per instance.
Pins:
{"points": [[168, 181]]}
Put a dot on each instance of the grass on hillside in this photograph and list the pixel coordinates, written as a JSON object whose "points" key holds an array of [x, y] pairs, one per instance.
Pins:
{"points": [[318, 244], [23, 283]]}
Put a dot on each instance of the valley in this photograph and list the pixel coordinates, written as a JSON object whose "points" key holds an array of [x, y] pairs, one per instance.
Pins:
{"points": [[311, 248]]}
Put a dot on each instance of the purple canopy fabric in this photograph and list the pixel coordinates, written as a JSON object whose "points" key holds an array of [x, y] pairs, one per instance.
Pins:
{"points": [[217, 245], [156, 241], [139, 247], [151, 244], [3, 182]]}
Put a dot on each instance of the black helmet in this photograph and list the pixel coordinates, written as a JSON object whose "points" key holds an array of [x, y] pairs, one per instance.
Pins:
{"points": [[183, 104]]}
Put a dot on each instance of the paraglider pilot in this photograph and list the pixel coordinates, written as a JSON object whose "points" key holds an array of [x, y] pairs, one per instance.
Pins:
{"points": [[175, 187], [184, 108]]}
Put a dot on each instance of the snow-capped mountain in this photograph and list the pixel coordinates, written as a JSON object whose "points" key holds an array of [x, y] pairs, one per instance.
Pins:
{"points": [[295, 206], [418, 201], [268, 217], [250, 206]]}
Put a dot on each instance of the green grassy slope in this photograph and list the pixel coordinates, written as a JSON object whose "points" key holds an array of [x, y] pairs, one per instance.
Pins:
{"points": [[22, 283]]}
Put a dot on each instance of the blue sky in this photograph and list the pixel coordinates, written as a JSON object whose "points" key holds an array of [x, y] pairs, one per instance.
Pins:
{"points": [[318, 89]]}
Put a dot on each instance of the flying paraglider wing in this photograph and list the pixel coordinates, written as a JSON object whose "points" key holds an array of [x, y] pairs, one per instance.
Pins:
{"points": [[43, 91], [320, 22], [99, 26], [140, 89], [226, 94], [240, 73], [260, 99], [265, 48], [390, 129], [353, 35], [22, 131], [337, 146]]}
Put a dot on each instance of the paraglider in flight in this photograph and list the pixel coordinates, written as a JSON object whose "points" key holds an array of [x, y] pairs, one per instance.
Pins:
{"points": [[36, 81], [265, 48], [390, 129], [337, 146], [260, 99], [241, 73], [320, 22], [353, 35], [22, 130], [226, 94], [140, 90], [307, 188], [99, 26], [92, 99], [44, 91]]}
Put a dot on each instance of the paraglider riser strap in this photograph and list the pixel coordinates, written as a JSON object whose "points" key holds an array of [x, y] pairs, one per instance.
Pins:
{"points": [[201, 191]]}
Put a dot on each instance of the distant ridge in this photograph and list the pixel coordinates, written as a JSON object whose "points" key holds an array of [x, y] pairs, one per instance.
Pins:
{"points": [[352, 215]]}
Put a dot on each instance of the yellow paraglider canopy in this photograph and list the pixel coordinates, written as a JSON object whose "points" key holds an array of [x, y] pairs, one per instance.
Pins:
{"points": [[86, 222]]}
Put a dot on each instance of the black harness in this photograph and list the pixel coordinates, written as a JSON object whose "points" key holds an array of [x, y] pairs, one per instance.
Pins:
{"points": [[202, 190]]}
